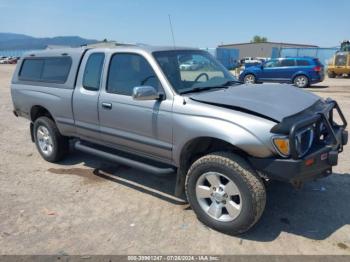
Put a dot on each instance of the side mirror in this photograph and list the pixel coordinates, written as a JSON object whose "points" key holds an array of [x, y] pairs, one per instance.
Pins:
{"points": [[145, 93]]}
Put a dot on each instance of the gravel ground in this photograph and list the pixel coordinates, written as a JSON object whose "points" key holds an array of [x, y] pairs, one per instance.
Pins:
{"points": [[89, 206]]}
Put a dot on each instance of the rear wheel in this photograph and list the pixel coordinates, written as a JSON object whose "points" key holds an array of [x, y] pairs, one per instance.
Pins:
{"points": [[331, 75], [51, 145], [249, 79], [301, 81], [225, 192]]}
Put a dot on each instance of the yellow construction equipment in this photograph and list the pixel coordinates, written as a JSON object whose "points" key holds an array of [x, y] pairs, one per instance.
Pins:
{"points": [[340, 62]]}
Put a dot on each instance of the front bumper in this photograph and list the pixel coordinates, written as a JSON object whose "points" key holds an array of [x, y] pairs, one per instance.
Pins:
{"points": [[317, 163], [339, 69]]}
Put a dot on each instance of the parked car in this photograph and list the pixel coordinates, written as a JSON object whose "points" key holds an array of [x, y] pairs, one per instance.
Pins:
{"points": [[223, 138], [190, 66], [4, 60], [13, 60], [300, 71], [262, 59], [250, 60]]}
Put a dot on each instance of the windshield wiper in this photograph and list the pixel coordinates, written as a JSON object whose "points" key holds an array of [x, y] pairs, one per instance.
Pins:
{"points": [[224, 85], [199, 89], [231, 82]]}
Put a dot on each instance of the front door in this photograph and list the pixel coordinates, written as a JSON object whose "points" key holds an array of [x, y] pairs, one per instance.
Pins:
{"points": [[269, 70], [143, 127]]}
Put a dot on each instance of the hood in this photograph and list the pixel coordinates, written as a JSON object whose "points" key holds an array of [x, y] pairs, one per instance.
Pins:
{"points": [[271, 101]]}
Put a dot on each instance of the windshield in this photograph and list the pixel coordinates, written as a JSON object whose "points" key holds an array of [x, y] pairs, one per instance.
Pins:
{"points": [[189, 70]]}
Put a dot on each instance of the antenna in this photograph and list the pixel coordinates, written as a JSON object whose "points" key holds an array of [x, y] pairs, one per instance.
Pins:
{"points": [[171, 29]]}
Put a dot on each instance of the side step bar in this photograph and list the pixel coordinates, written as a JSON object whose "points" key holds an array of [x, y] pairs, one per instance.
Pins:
{"points": [[122, 160]]}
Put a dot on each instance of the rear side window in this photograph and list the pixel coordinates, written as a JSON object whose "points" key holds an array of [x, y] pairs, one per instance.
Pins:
{"points": [[50, 69], [31, 69], [303, 63], [317, 62], [288, 62], [93, 70]]}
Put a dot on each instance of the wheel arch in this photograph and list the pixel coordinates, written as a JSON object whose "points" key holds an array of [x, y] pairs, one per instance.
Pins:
{"points": [[250, 73], [200, 146], [301, 73], [37, 111], [244, 73]]}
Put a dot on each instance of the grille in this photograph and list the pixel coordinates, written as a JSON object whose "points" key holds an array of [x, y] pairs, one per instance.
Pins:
{"points": [[304, 140], [340, 60]]}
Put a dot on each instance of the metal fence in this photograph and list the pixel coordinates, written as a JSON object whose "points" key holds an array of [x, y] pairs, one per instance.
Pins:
{"points": [[323, 54], [228, 57]]}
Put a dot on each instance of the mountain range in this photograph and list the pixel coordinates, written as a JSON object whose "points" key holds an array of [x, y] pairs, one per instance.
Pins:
{"points": [[11, 41]]}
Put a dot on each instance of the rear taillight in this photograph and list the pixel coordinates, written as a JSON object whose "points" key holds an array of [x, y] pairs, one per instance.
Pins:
{"points": [[317, 68]]}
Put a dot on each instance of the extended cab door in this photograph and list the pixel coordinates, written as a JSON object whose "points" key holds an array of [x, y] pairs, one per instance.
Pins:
{"points": [[143, 127], [85, 97]]}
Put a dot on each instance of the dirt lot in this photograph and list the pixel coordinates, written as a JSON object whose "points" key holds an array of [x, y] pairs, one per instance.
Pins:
{"points": [[88, 206]]}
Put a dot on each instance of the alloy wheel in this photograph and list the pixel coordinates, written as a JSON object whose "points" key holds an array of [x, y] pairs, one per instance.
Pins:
{"points": [[218, 196], [249, 79], [44, 140], [300, 81]]}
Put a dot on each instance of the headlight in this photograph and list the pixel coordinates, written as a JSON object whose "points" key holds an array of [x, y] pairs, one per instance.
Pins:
{"points": [[281, 144], [304, 140]]}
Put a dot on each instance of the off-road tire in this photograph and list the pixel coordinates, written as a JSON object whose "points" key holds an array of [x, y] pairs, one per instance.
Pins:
{"points": [[331, 75], [60, 143], [249, 183]]}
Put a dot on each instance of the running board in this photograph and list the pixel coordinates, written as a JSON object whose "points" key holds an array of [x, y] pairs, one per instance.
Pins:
{"points": [[123, 160]]}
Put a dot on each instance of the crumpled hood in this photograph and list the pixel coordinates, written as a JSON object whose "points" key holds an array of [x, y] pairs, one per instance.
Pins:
{"points": [[270, 100]]}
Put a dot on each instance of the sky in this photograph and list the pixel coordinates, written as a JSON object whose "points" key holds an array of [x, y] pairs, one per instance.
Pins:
{"points": [[205, 23]]}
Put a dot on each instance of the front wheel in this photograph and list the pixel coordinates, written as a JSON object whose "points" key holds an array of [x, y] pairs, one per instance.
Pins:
{"points": [[225, 192], [51, 145], [249, 79], [301, 81]]}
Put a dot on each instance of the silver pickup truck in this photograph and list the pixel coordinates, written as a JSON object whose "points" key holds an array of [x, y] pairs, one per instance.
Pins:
{"points": [[142, 107]]}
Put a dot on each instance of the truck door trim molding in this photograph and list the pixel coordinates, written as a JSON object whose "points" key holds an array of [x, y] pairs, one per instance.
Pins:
{"points": [[163, 145]]}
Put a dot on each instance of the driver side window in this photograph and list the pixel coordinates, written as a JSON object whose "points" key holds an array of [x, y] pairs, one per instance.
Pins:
{"points": [[272, 63], [127, 71]]}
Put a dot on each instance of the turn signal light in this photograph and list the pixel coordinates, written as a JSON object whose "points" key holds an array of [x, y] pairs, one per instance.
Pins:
{"points": [[282, 145], [317, 69]]}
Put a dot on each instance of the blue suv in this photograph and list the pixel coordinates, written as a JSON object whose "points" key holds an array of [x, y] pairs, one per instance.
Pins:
{"points": [[300, 71]]}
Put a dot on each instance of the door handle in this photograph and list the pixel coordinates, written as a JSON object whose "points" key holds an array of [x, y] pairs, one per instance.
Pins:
{"points": [[107, 105]]}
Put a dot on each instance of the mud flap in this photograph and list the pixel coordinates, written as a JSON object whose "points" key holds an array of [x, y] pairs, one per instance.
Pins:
{"points": [[180, 184], [31, 127]]}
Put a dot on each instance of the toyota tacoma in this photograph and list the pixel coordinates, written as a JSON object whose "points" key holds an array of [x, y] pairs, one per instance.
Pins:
{"points": [[135, 105]]}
